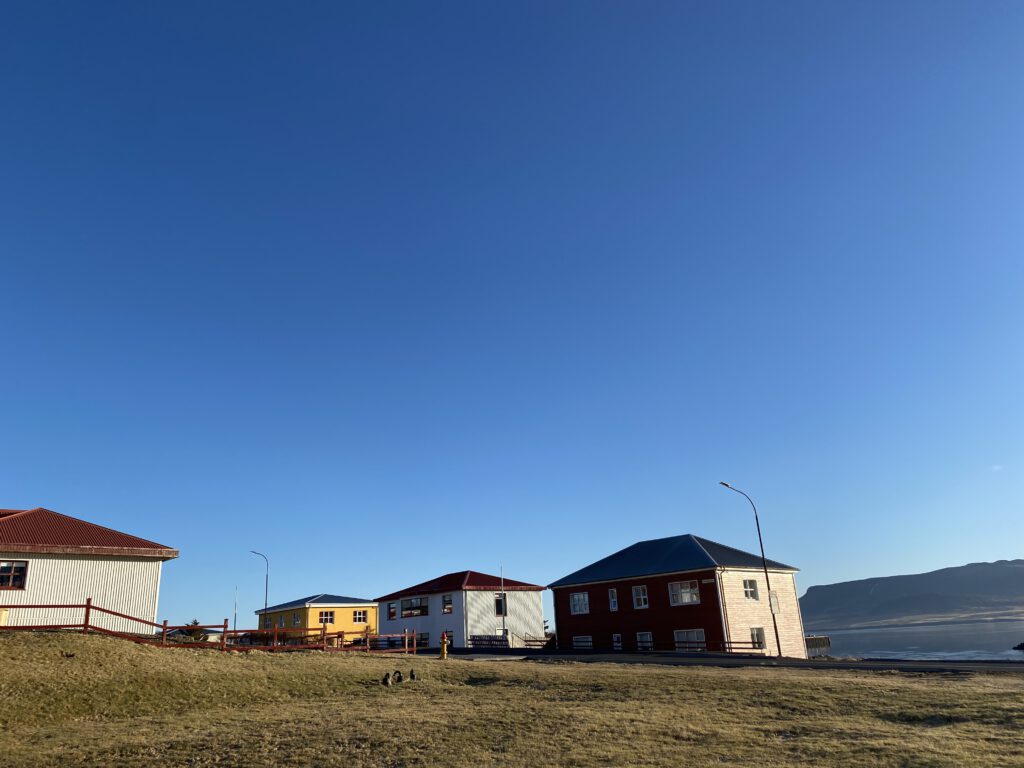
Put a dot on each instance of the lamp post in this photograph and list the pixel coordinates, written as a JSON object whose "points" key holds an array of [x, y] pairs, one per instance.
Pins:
{"points": [[764, 563], [266, 583]]}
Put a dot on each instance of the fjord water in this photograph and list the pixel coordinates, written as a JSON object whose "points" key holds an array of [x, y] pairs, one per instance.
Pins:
{"points": [[973, 640]]}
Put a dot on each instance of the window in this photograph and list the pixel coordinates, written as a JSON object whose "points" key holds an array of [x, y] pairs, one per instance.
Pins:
{"points": [[446, 603], [582, 642], [12, 574], [750, 589], [326, 617], [579, 602], [640, 597], [613, 599], [499, 604], [296, 621], [392, 611], [359, 617], [414, 606], [683, 593], [616, 642], [644, 641], [266, 622], [280, 621], [423, 640], [690, 640], [757, 636]]}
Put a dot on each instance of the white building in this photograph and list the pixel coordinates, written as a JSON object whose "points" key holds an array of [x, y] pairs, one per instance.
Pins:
{"points": [[47, 558], [464, 604]]}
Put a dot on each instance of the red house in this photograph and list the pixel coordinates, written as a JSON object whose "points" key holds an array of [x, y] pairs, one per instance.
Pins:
{"points": [[682, 593]]}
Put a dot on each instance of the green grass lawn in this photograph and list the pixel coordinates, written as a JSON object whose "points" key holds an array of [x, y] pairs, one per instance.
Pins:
{"points": [[117, 703]]}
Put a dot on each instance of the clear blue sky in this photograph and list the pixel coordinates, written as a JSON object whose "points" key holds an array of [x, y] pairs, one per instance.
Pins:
{"points": [[392, 290]]}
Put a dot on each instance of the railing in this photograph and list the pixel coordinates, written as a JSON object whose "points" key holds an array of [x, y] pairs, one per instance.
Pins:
{"points": [[273, 639], [818, 645]]}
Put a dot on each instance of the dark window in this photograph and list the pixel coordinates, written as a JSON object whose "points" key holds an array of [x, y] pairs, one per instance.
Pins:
{"points": [[414, 606], [446, 603], [499, 604], [12, 574], [392, 611], [326, 617], [423, 640]]}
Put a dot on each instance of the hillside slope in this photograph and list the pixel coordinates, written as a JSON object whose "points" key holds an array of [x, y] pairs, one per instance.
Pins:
{"points": [[968, 592]]}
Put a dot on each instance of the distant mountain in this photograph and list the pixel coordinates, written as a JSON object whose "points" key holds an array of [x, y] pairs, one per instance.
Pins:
{"points": [[964, 593]]}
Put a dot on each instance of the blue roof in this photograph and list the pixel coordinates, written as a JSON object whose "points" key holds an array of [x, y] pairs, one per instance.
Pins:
{"points": [[322, 599], [671, 555]]}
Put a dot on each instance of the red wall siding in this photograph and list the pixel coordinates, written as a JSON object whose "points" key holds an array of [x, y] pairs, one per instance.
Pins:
{"points": [[660, 619]]}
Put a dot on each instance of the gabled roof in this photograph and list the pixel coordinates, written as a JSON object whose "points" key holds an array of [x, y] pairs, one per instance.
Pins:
{"points": [[321, 599], [674, 554], [44, 531], [463, 580]]}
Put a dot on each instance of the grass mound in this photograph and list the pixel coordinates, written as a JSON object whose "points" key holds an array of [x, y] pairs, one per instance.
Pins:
{"points": [[73, 699]]}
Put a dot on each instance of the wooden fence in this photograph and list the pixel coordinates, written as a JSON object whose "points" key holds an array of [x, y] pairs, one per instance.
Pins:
{"points": [[273, 639]]}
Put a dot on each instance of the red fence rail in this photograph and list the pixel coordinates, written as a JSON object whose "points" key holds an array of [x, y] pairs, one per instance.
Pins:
{"points": [[274, 639]]}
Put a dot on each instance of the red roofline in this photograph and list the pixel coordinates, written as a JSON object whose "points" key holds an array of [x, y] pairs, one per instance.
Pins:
{"points": [[451, 582], [143, 548]]}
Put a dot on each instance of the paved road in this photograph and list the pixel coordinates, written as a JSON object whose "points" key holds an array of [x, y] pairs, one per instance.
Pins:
{"points": [[714, 660]]}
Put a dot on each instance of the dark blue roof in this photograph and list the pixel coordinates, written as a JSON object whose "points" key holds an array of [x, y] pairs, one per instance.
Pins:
{"points": [[323, 599], [671, 555]]}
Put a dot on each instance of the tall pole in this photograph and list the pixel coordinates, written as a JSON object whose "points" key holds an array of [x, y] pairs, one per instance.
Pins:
{"points": [[504, 605], [764, 563], [235, 625], [266, 583]]}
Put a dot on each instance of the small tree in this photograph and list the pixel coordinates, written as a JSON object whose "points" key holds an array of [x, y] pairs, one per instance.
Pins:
{"points": [[195, 632]]}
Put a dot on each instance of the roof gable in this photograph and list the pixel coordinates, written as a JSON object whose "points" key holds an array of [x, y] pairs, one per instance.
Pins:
{"points": [[44, 531], [321, 599], [463, 580], [673, 554]]}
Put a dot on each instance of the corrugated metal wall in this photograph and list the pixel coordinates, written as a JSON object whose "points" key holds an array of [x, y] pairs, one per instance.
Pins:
{"points": [[525, 615], [130, 585]]}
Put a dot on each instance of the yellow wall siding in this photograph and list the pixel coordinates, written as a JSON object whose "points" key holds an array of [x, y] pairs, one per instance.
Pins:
{"points": [[309, 618]]}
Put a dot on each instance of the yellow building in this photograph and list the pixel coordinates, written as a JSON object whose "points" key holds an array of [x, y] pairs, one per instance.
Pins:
{"points": [[336, 613]]}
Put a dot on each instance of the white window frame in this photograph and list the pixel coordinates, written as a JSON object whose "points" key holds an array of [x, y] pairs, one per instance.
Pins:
{"points": [[579, 603], [326, 617], [689, 644], [582, 642], [649, 641], [750, 590], [613, 599], [680, 591], [640, 599], [616, 642], [359, 616], [757, 636]]}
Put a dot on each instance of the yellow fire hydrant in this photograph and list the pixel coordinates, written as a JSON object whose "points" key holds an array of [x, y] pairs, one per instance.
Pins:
{"points": [[444, 646]]}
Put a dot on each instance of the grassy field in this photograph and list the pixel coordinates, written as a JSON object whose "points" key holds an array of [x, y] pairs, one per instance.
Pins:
{"points": [[116, 703]]}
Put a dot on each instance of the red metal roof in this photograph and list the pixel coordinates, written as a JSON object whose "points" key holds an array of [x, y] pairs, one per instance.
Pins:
{"points": [[462, 580], [44, 531]]}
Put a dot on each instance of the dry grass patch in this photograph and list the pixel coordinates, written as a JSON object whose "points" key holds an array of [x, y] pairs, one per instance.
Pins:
{"points": [[115, 703]]}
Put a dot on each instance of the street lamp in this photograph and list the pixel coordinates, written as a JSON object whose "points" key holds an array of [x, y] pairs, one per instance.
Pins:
{"points": [[266, 583], [764, 563]]}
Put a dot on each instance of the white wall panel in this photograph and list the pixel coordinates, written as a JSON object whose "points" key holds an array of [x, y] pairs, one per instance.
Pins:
{"points": [[129, 585]]}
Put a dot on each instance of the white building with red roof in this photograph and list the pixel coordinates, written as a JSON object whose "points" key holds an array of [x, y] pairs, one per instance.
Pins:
{"points": [[465, 604], [47, 558]]}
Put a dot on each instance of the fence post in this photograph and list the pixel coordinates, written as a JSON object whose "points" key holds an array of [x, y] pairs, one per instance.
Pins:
{"points": [[224, 637], [88, 612], [273, 638], [323, 637], [163, 637]]}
